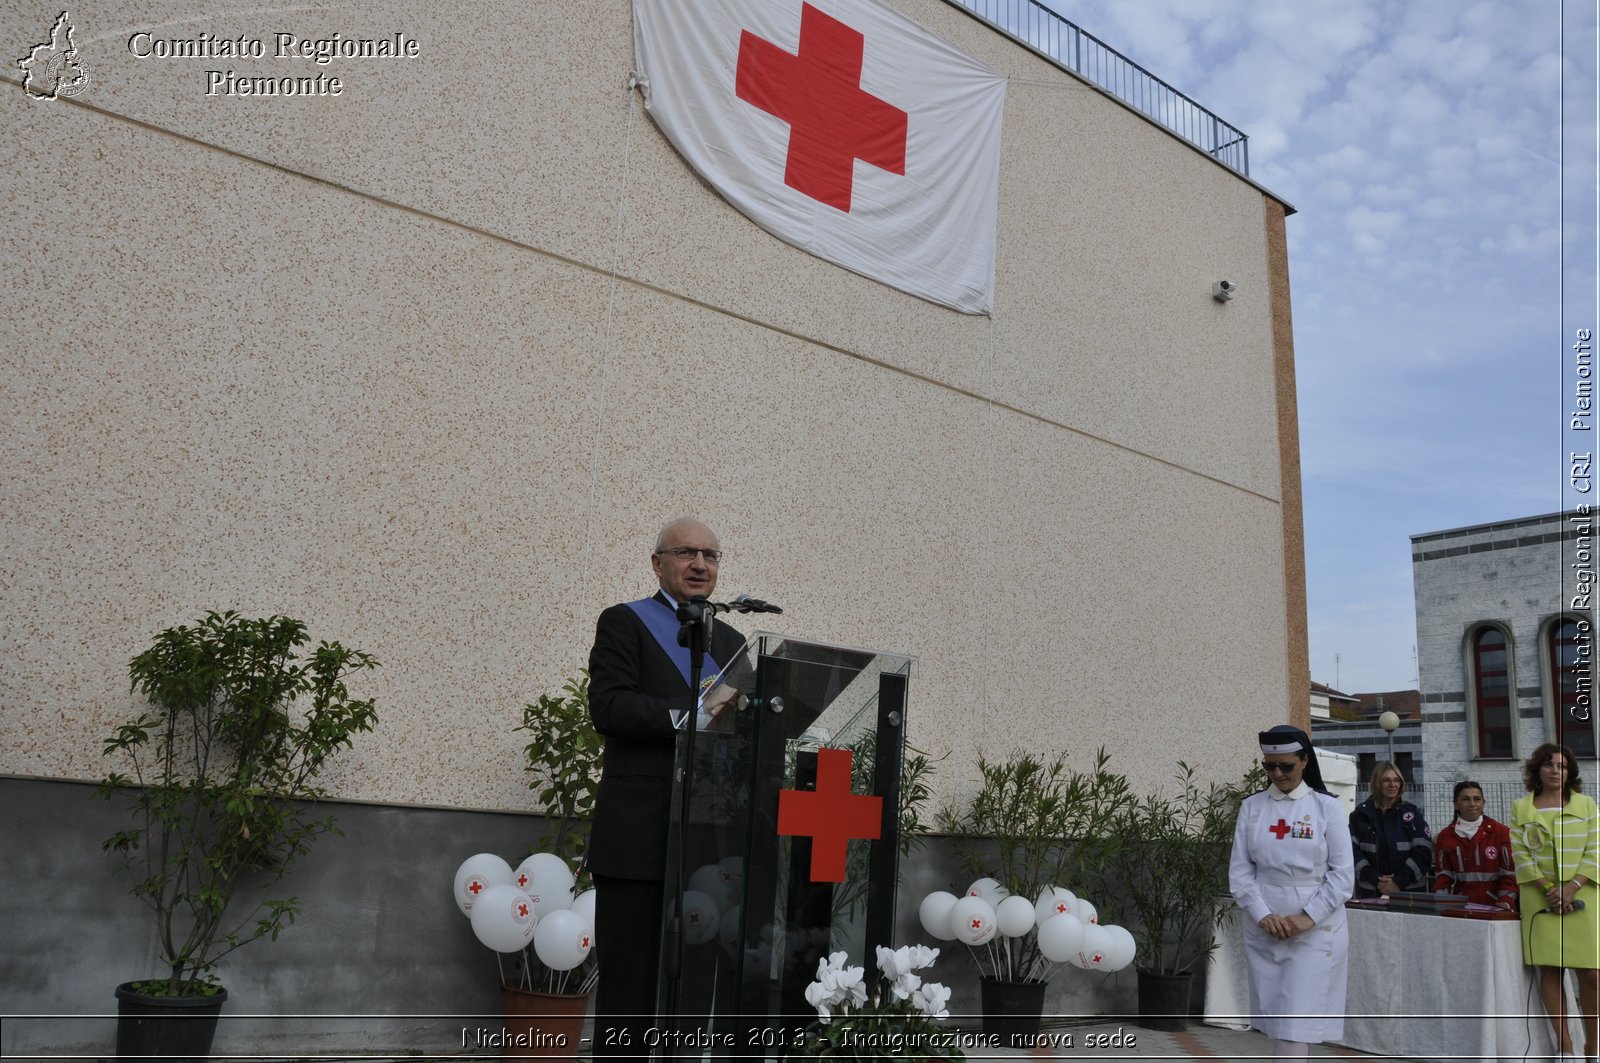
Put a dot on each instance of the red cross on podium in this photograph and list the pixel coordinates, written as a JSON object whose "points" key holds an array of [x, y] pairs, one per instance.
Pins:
{"points": [[830, 815], [1279, 829], [832, 121]]}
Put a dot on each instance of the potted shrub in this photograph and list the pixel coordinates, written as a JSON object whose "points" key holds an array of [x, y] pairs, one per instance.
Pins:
{"points": [[1033, 825], [545, 1006], [1174, 864], [224, 762]]}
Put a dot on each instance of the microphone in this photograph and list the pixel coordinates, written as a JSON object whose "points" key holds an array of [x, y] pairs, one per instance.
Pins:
{"points": [[746, 604], [1577, 906]]}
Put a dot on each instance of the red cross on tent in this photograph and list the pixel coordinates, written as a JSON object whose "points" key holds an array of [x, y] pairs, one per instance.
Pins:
{"points": [[831, 815], [832, 121]]}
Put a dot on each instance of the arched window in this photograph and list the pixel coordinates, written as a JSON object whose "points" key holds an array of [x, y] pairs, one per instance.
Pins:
{"points": [[1490, 660], [1569, 683]]}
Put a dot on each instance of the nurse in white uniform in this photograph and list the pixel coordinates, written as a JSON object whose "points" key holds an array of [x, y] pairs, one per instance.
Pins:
{"points": [[1291, 872]]}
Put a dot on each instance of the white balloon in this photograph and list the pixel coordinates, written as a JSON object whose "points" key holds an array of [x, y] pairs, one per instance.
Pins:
{"points": [[546, 900], [935, 914], [1086, 912], [1060, 937], [503, 918], [700, 917], [1014, 916], [562, 940], [1122, 950], [715, 882], [1091, 955], [990, 890], [544, 873], [583, 905], [972, 920], [1053, 900], [475, 875]]}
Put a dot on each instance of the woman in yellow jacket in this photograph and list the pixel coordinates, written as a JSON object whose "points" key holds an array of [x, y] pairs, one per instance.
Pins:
{"points": [[1555, 838]]}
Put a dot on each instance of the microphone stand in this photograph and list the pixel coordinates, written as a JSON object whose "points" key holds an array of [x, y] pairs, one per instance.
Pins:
{"points": [[695, 616]]}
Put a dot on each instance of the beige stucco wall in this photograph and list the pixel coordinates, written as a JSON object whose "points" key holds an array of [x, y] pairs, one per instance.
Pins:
{"points": [[427, 364]]}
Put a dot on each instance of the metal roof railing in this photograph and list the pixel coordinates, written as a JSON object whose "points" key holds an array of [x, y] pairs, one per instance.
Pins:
{"points": [[1043, 31]]}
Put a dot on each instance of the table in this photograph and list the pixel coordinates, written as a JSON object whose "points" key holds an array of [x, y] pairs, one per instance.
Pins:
{"points": [[1420, 985]]}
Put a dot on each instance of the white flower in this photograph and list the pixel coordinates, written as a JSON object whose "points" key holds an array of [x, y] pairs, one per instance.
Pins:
{"points": [[922, 956], [931, 999], [834, 962], [819, 997], [894, 962], [851, 984]]}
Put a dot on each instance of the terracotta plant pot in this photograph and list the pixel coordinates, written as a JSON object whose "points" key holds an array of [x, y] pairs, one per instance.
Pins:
{"points": [[542, 1025]]}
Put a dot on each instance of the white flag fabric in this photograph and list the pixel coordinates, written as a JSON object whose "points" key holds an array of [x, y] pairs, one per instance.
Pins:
{"points": [[839, 126]]}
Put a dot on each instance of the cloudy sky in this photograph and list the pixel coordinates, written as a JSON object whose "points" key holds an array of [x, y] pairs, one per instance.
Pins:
{"points": [[1422, 143]]}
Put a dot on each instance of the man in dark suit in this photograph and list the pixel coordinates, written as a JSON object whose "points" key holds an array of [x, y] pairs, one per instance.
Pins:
{"points": [[638, 689]]}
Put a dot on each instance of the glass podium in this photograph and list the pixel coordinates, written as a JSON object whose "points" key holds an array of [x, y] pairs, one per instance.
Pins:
{"points": [[790, 845]]}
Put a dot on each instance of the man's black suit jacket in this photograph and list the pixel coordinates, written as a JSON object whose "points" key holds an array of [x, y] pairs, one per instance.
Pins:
{"points": [[634, 690]]}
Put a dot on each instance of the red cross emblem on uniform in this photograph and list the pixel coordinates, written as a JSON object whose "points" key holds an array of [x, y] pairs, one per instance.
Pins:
{"points": [[1279, 829], [832, 121], [830, 815]]}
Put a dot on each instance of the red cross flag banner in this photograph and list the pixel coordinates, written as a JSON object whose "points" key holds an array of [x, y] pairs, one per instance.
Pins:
{"points": [[839, 126]]}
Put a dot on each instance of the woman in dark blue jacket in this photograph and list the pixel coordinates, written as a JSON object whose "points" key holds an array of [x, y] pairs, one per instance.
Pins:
{"points": [[1394, 848]]}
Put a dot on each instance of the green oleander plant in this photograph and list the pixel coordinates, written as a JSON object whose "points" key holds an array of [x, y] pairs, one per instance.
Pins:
{"points": [[562, 759], [1174, 867], [221, 772]]}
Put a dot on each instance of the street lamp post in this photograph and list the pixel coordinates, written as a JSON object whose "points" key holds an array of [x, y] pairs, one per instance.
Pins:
{"points": [[1390, 723]]}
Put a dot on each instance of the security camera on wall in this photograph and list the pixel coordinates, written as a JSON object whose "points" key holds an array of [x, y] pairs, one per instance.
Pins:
{"points": [[1222, 291]]}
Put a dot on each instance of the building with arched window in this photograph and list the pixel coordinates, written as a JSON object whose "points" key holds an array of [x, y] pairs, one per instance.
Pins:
{"points": [[1505, 636]]}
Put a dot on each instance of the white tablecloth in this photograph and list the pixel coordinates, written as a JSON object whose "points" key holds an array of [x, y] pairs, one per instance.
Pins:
{"points": [[1420, 985]]}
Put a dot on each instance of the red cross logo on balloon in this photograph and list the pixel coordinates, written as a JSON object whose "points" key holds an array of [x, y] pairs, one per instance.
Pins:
{"points": [[522, 909], [832, 120], [523, 880], [475, 886], [830, 815]]}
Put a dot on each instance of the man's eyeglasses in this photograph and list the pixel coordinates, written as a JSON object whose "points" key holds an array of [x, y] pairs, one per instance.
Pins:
{"points": [[1277, 767], [687, 553]]}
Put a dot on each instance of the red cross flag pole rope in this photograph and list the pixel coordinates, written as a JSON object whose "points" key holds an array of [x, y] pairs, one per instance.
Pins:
{"points": [[839, 126]]}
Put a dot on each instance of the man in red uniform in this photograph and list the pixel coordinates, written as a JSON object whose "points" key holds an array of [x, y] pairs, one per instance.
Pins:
{"points": [[1473, 854]]}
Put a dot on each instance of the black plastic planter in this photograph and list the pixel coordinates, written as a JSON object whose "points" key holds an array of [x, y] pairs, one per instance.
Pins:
{"points": [[1011, 1011], [179, 1029]]}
